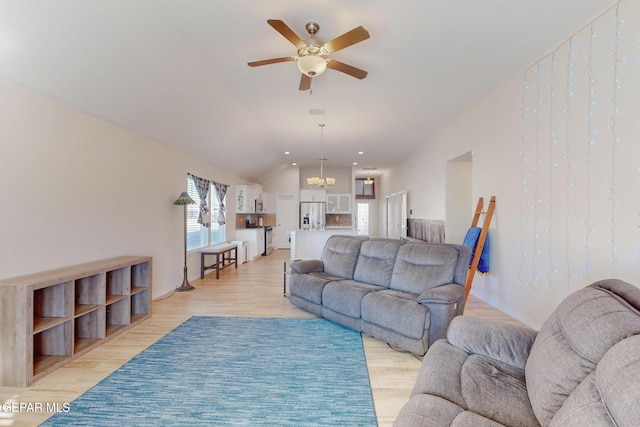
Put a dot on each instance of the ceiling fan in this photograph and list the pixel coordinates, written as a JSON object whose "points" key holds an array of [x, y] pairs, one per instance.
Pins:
{"points": [[313, 56]]}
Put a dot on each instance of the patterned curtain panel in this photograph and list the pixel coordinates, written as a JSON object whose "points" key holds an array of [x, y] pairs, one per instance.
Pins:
{"points": [[202, 187], [221, 191]]}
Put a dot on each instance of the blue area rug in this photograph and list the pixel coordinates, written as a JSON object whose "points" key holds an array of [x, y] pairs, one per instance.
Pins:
{"points": [[221, 371]]}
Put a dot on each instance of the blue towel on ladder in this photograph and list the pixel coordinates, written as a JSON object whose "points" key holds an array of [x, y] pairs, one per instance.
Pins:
{"points": [[471, 240]]}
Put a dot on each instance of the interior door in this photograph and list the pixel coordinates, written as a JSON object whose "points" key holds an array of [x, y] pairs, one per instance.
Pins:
{"points": [[402, 214], [397, 215], [391, 216], [286, 219]]}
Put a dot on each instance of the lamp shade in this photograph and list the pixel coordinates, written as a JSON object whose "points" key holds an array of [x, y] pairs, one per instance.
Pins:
{"points": [[184, 199], [312, 65]]}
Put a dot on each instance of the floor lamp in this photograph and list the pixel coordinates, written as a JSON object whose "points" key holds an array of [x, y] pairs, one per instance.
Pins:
{"points": [[184, 200]]}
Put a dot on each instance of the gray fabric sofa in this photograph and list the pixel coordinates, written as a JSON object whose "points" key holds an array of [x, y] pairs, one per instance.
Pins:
{"points": [[581, 369], [402, 293]]}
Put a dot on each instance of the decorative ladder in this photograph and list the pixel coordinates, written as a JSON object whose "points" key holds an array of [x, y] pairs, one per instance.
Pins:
{"points": [[488, 214]]}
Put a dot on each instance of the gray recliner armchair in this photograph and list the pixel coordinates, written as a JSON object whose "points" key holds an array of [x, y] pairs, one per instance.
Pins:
{"points": [[581, 369]]}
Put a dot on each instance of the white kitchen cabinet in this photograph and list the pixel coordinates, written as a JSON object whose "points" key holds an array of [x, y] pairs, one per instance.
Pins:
{"points": [[255, 239], [246, 196], [313, 195], [242, 198], [338, 203]]}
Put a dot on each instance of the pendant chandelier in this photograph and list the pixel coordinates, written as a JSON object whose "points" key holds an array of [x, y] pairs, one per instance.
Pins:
{"points": [[321, 181], [369, 180]]}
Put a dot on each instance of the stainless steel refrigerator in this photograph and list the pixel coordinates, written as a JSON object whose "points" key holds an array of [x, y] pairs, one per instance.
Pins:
{"points": [[312, 215]]}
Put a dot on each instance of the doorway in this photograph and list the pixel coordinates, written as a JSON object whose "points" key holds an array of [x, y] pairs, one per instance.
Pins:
{"points": [[363, 218], [397, 215], [459, 198], [286, 215]]}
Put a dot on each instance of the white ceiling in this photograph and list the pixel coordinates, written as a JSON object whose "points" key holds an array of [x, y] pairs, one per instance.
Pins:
{"points": [[176, 70]]}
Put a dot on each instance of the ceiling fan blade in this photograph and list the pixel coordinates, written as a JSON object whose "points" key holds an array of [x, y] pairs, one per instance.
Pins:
{"points": [[347, 69], [305, 82], [347, 39], [287, 32], [270, 61]]}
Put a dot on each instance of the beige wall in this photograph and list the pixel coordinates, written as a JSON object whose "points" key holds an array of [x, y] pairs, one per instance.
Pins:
{"points": [[76, 189]]}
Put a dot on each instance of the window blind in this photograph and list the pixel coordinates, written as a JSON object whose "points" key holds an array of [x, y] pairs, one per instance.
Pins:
{"points": [[199, 236]]}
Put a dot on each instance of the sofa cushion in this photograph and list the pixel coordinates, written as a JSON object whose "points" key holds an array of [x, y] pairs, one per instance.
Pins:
{"points": [[497, 391], [471, 419], [310, 286], [345, 296], [619, 370], [500, 341], [598, 400], [428, 411], [396, 311], [420, 267], [440, 372], [574, 339], [376, 260], [340, 254], [479, 384]]}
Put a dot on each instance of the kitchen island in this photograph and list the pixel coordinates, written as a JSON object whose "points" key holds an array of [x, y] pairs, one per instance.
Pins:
{"points": [[308, 244]]}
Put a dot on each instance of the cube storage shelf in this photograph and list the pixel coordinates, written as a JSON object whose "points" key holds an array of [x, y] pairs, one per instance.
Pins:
{"points": [[47, 319]]}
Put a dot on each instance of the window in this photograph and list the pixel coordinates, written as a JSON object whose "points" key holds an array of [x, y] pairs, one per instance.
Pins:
{"points": [[364, 190], [199, 236], [363, 218]]}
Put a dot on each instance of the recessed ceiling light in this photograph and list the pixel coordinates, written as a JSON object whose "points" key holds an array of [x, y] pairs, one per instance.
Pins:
{"points": [[287, 152], [294, 164], [355, 163], [360, 152]]}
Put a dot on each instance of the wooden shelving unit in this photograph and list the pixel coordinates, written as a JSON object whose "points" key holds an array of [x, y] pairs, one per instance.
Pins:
{"points": [[48, 319]]}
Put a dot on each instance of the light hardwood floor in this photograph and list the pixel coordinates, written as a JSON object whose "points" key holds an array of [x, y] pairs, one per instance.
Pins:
{"points": [[255, 289]]}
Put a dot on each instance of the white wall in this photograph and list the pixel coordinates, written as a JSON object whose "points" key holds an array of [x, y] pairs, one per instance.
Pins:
{"points": [[75, 189], [285, 182], [458, 200], [559, 147]]}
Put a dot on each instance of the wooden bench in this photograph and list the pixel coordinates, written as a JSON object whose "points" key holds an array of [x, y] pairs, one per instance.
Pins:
{"points": [[226, 255]]}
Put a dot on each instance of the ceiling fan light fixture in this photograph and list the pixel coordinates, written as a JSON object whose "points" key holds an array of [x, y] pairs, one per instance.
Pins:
{"points": [[312, 65], [314, 56]]}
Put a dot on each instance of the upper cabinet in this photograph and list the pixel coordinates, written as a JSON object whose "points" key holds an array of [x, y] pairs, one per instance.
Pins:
{"points": [[338, 203], [313, 195], [246, 197]]}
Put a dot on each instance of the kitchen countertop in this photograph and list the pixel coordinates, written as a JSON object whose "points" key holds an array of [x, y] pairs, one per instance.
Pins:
{"points": [[308, 244]]}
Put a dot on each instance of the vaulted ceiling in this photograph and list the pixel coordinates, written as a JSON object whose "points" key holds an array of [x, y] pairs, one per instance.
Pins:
{"points": [[176, 70]]}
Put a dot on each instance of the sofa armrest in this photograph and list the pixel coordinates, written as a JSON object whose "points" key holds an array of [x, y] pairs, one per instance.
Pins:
{"points": [[501, 341], [445, 294], [443, 303], [307, 266]]}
